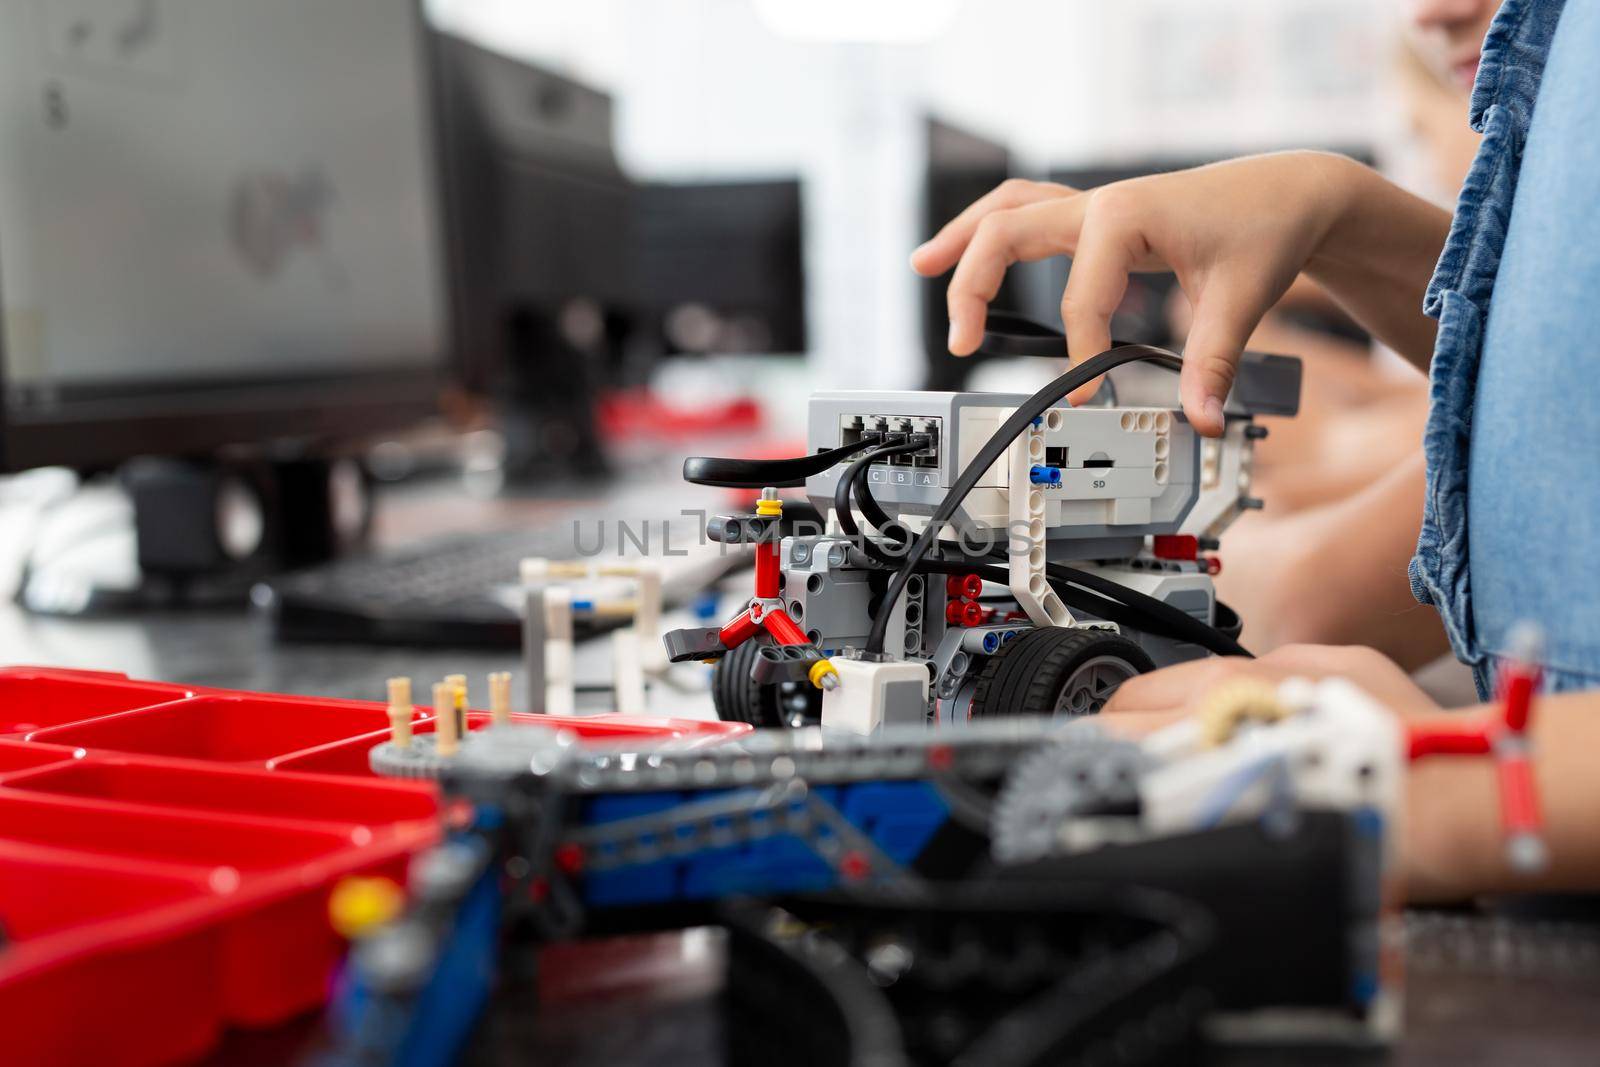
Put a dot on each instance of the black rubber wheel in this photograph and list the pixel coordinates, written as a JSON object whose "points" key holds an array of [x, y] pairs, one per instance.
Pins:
{"points": [[740, 698], [1056, 670]]}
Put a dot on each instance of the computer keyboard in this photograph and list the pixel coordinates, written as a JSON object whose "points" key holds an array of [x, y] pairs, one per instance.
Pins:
{"points": [[457, 592]]}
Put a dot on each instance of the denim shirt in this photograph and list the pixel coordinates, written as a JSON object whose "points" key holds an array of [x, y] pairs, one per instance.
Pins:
{"points": [[1511, 522]]}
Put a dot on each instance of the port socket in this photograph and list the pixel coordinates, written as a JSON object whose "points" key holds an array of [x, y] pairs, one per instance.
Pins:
{"points": [[928, 457], [855, 428], [899, 425], [850, 429]]}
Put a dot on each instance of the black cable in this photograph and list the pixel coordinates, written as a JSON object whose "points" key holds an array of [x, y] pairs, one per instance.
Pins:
{"points": [[1181, 622], [856, 473], [761, 473], [888, 528], [1034, 407], [874, 514]]}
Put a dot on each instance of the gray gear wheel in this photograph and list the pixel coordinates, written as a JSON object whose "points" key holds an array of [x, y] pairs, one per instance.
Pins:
{"points": [[493, 752], [1084, 772]]}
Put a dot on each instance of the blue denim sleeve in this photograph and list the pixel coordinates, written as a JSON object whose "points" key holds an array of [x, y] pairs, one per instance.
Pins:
{"points": [[1533, 473], [1502, 107]]}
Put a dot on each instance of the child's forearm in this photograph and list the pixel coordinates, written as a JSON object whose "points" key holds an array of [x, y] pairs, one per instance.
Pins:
{"points": [[1337, 575], [1453, 843], [1378, 255]]}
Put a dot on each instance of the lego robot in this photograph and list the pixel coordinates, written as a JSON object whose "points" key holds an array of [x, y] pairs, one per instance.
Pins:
{"points": [[1013, 555]]}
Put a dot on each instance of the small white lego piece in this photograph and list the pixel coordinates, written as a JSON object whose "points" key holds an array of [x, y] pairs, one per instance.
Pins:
{"points": [[1337, 748], [446, 736], [647, 617], [1226, 467], [872, 695], [627, 672], [400, 711], [500, 698], [549, 666], [559, 695]]}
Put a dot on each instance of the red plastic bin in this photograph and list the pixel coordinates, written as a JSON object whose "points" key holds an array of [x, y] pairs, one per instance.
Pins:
{"points": [[165, 859]]}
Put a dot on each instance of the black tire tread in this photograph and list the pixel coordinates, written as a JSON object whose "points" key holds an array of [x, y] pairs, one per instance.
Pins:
{"points": [[739, 697], [1025, 676]]}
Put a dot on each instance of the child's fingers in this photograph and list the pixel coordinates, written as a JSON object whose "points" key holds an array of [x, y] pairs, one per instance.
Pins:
{"points": [[1034, 231], [1138, 724], [940, 252], [1095, 287], [1224, 315], [1173, 689]]}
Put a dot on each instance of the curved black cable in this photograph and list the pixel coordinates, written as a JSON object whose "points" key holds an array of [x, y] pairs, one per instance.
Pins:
{"points": [[761, 473], [1191, 628], [1008, 333], [880, 521], [856, 474], [1034, 407]]}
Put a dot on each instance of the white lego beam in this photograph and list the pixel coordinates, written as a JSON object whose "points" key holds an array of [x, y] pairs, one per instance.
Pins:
{"points": [[1025, 533]]}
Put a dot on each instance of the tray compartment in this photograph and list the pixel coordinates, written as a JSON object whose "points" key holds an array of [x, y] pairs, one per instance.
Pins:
{"points": [[20, 756], [92, 941], [276, 961], [180, 840], [35, 699], [224, 729], [46, 890], [234, 791]]}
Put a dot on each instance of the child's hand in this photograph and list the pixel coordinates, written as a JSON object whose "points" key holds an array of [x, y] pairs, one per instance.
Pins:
{"points": [[1180, 690], [1236, 234]]}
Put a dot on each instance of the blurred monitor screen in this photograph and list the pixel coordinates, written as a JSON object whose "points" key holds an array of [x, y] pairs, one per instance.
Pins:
{"points": [[217, 224], [724, 262], [960, 167]]}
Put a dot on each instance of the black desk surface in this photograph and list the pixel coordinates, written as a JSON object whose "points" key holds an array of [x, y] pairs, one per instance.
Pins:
{"points": [[1480, 989]]}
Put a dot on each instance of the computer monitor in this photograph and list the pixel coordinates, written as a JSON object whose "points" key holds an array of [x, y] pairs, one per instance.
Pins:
{"points": [[217, 226], [961, 166], [540, 223], [568, 275], [722, 264]]}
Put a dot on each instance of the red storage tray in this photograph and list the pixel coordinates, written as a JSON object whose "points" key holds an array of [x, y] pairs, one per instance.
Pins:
{"points": [[166, 855]]}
